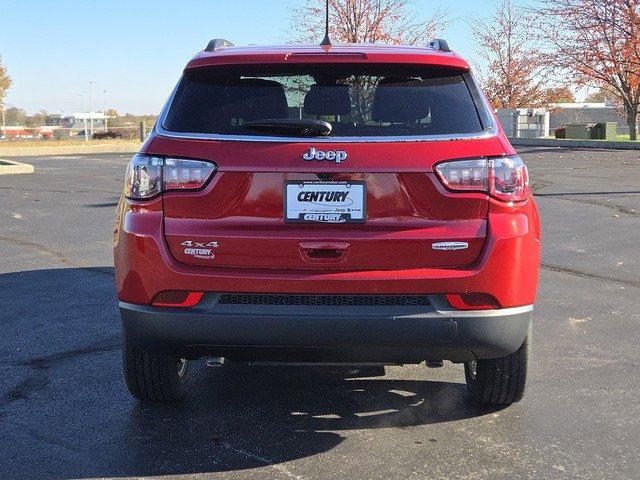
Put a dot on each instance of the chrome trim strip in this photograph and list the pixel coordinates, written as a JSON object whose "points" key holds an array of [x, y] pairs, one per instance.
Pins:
{"points": [[444, 309], [161, 130]]}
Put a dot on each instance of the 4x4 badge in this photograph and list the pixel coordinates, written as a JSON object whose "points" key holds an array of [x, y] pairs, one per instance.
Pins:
{"points": [[337, 156]]}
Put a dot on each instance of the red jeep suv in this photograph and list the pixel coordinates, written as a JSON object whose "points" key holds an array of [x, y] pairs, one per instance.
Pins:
{"points": [[348, 204]]}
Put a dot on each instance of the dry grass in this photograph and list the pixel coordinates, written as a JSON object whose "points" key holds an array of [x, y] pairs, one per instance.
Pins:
{"points": [[25, 143]]}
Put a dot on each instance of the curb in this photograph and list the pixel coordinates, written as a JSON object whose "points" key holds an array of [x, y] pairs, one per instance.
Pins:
{"points": [[132, 147], [554, 142], [8, 167]]}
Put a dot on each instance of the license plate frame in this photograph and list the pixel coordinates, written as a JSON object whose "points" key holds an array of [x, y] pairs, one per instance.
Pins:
{"points": [[341, 214]]}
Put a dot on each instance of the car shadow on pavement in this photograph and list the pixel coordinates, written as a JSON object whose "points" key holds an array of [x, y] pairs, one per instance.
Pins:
{"points": [[243, 417], [65, 412]]}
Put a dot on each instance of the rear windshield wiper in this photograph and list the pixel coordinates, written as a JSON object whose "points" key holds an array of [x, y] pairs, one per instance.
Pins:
{"points": [[294, 127]]}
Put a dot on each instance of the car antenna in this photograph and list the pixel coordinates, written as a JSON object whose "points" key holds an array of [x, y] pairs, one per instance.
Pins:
{"points": [[327, 40]]}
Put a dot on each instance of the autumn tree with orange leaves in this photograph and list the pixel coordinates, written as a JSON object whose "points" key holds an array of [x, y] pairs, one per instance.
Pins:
{"points": [[597, 43], [514, 71], [367, 21]]}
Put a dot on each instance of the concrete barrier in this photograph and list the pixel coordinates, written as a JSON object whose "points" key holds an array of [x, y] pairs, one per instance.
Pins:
{"points": [[128, 147], [569, 143], [9, 167]]}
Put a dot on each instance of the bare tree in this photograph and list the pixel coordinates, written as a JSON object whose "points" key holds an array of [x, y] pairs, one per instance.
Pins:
{"points": [[598, 44], [368, 21], [514, 71]]}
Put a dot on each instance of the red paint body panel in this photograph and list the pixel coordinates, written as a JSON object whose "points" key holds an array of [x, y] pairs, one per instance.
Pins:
{"points": [[406, 212], [336, 54], [506, 269], [363, 157]]}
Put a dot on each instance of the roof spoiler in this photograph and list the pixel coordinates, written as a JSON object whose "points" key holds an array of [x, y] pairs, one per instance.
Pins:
{"points": [[216, 44], [439, 44]]}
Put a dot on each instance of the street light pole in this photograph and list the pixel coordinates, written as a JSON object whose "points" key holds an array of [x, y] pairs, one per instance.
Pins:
{"points": [[91, 105], [84, 117]]}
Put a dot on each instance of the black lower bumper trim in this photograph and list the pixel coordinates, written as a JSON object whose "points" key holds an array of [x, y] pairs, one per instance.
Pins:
{"points": [[325, 334]]}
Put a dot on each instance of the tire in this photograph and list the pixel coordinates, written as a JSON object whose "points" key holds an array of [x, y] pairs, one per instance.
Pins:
{"points": [[154, 377], [499, 381]]}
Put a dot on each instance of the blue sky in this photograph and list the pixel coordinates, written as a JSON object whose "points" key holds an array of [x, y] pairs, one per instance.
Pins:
{"points": [[136, 49]]}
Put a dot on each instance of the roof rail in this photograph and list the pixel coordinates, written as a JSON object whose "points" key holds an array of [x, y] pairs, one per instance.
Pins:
{"points": [[440, 44], [217, 43]]}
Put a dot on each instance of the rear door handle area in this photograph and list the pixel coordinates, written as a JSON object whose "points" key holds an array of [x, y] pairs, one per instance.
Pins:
{"points": [[324, 251]]}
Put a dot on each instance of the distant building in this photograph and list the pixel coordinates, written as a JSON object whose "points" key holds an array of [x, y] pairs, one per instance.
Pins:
{"points": [[524, 122], [563, 113], [55, 122], [21, 131], [76, 121]]}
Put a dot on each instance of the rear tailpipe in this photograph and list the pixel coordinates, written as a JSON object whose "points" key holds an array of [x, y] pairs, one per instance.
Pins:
{"points": [[214, 362], [434, 363]]}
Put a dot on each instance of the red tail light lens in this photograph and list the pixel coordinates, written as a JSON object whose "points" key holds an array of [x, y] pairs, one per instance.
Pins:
{"points": [[464, 175], [176, 298], [143, 178], [180, 174], [504, 178], [148, 176], [509, 179], [472, 301]]}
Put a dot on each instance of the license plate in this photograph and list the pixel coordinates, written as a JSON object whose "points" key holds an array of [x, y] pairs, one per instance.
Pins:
{"points": [[325, 202]]}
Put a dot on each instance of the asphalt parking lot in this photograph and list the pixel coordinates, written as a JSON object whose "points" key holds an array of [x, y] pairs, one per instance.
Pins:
{"points": [[65, 412]]}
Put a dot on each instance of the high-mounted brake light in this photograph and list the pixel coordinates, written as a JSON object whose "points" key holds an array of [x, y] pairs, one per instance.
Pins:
{"points": [[504, 178], [148, 176]]}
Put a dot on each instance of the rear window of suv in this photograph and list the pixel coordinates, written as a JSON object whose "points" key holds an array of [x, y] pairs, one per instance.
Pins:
{"points": [[357, 100]]}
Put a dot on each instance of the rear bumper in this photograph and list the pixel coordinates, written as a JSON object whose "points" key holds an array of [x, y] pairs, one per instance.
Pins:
{"points": [[326, 334]]}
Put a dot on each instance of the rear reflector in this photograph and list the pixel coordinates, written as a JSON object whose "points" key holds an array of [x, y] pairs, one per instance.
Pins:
{"points": [[176, 298], [472, 301]]}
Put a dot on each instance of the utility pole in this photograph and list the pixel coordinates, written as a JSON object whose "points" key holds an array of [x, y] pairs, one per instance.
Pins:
{"points": [[104, 111], [84, 117], [91, 106], [4, 122]]}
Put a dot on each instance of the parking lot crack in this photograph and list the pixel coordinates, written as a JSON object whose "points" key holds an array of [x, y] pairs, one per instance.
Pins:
{"points": [[273, 464], [41, 366], [61, 258], [585, 274], [37, 246], [599, 203]]}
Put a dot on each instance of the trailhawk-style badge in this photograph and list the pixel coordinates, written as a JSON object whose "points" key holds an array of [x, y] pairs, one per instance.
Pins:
{"points": [[325, 202], [337, 156]]}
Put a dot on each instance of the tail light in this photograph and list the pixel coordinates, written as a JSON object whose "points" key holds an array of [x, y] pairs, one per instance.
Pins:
{"points": [[504, 178], [148, 176]]}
